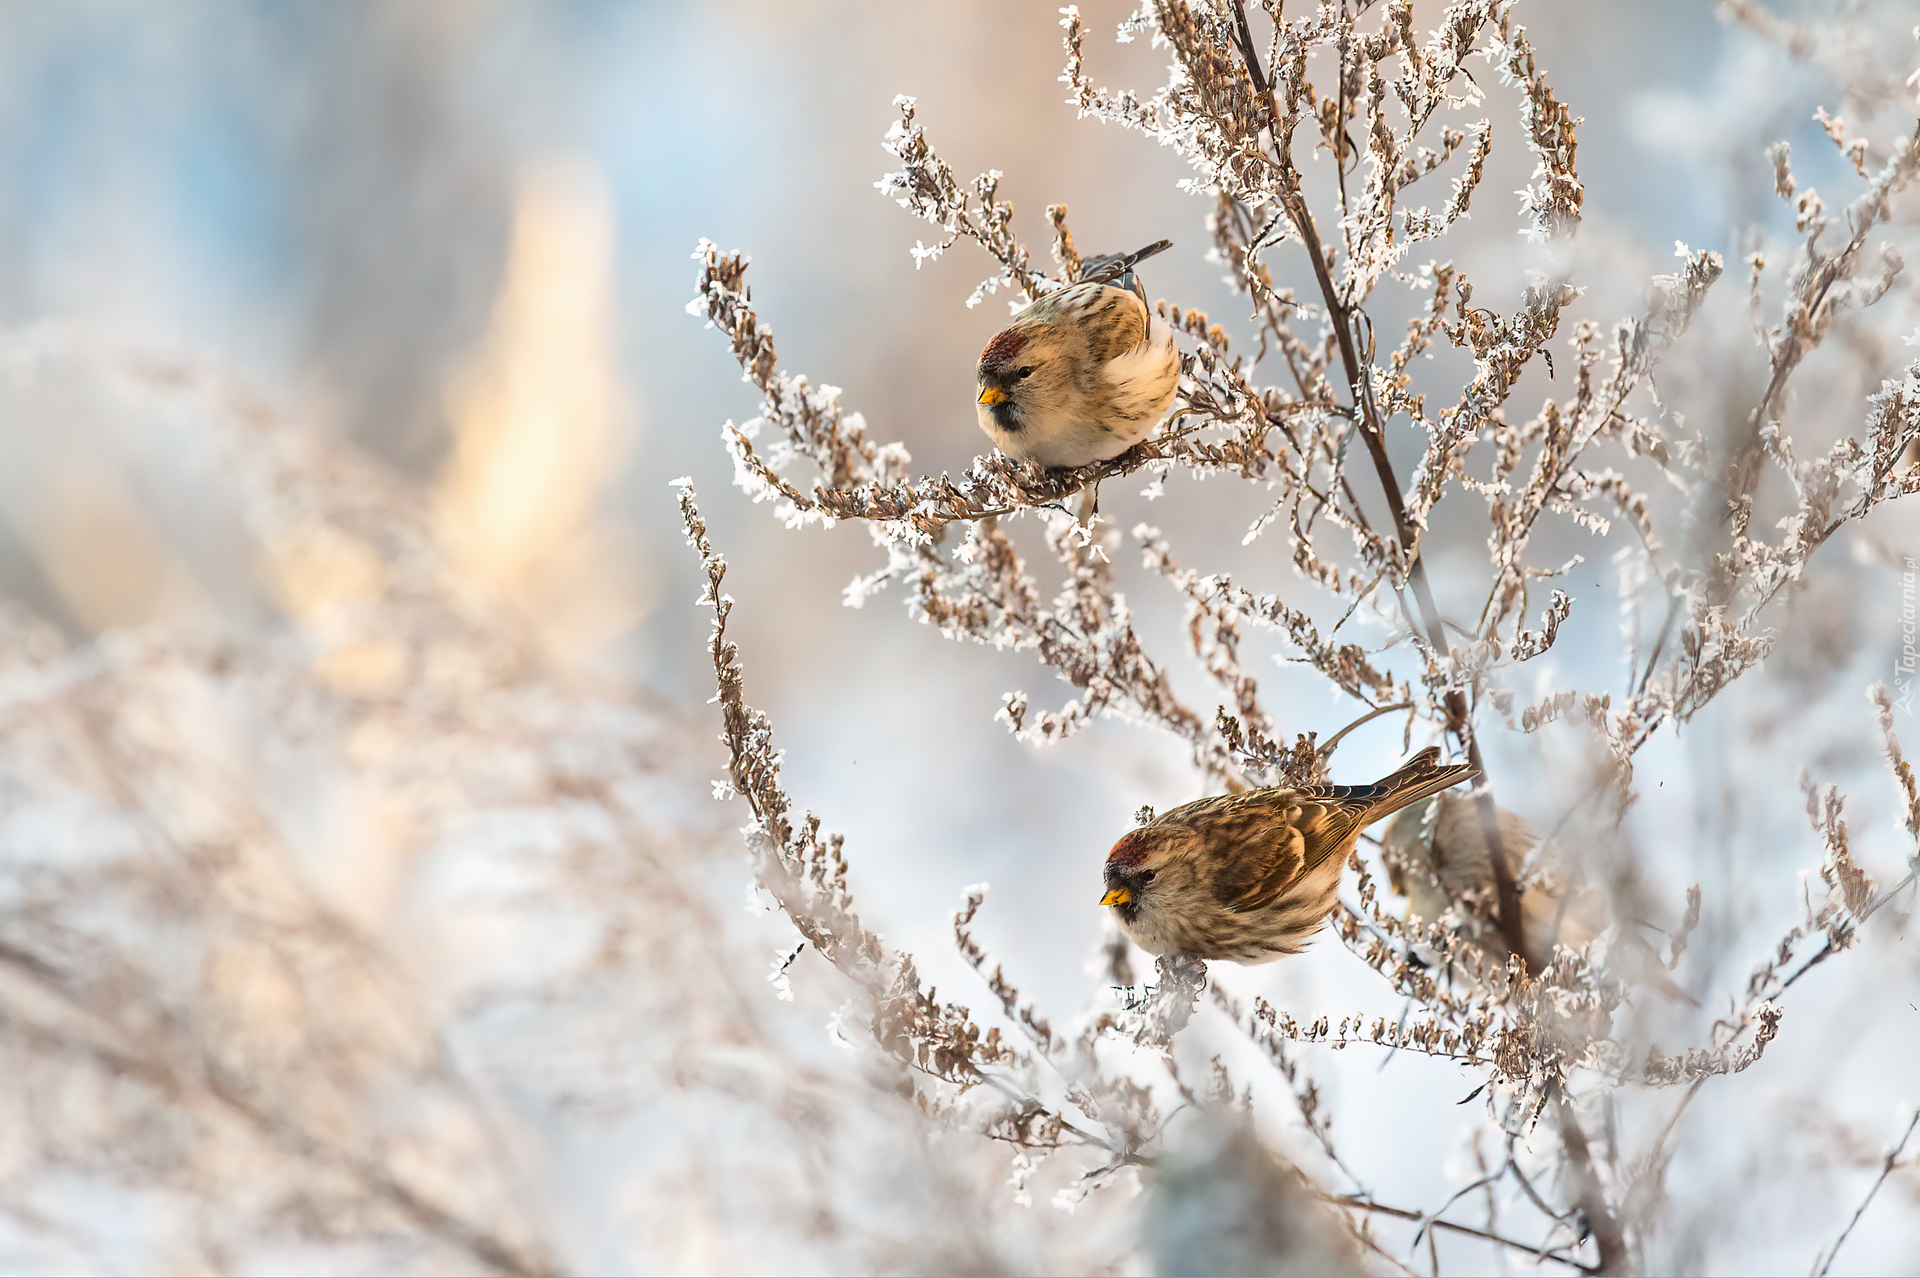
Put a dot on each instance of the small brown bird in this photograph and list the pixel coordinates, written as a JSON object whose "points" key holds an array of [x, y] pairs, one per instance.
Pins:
{"points": [[1249, 877], [1436, 855], [1084, 373]]}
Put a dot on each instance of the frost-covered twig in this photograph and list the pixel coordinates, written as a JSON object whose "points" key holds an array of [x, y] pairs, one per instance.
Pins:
{"points": [[1886, 1169]]}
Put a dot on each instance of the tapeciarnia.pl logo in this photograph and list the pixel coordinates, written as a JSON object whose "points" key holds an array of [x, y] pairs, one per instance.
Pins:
{"points": [[1903, 667]]}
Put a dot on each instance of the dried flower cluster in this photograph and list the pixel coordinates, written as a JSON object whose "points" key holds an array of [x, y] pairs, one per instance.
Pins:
{"points": [[1716, 534]]}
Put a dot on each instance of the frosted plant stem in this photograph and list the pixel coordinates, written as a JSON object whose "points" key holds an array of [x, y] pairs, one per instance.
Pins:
{"points": [[1886, 1170]]}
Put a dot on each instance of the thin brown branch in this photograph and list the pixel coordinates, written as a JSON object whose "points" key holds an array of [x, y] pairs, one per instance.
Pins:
{"points": [[1341, 316], [1469, 1231], [1886, 1170], [1588, 1192]]}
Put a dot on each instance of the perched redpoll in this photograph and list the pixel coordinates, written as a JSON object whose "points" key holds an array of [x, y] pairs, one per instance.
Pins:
{"points": [[1082, 374], [1436, 855], [1252, 876]]}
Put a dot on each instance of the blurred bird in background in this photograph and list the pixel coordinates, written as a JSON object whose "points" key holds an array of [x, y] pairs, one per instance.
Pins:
{"points": [[1436, 856]]}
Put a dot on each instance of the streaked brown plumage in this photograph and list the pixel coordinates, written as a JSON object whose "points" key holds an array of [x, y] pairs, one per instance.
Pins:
{"points": [[1252, 876], [1081, 375]]}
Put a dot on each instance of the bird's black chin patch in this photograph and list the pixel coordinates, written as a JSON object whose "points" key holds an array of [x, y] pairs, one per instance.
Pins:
{"points": [[1006, 416]]}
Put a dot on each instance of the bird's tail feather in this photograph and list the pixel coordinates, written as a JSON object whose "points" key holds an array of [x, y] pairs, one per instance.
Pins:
{"points": [[1417, 778], [1117, 268]]}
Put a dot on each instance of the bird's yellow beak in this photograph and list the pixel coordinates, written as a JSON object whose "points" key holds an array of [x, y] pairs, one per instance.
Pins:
{"points": [[991, 395], [1117, 896]]}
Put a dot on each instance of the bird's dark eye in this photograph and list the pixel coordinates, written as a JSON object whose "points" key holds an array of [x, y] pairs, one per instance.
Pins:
{"points": [[1027, 371], [1147, 877]]}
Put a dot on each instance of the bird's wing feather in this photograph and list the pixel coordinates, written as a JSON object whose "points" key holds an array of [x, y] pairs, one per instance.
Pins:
{"points": [[1324, 820], [1122, 330], [1138, 347], [1327, 817], [1268, 858], [1282, 834], [1276, 835]]}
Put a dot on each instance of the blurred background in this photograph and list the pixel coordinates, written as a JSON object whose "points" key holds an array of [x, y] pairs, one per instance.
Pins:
{"points": [[347, 363]]}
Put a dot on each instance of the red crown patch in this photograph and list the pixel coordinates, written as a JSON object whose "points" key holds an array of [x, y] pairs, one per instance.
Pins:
{"points": [[1004, 346], [1130, 850]]}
